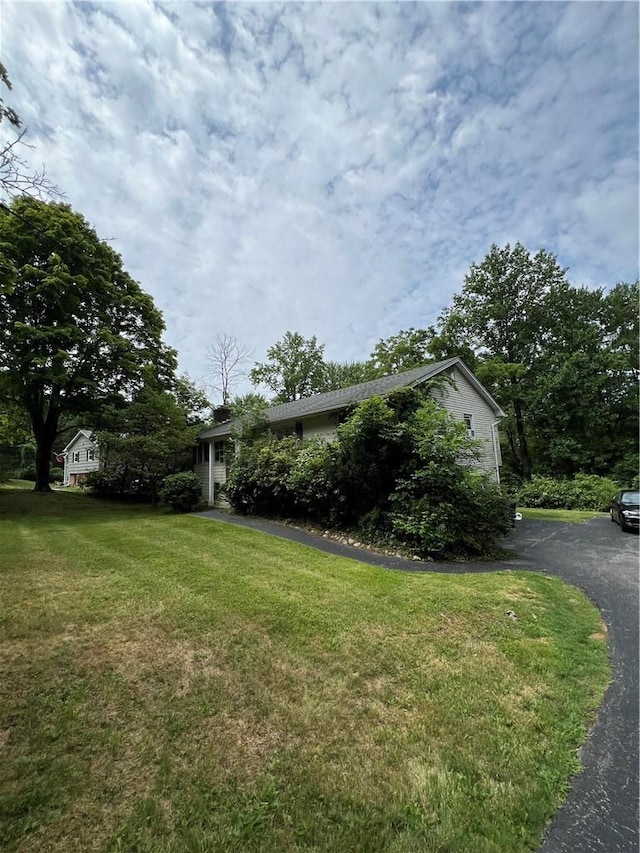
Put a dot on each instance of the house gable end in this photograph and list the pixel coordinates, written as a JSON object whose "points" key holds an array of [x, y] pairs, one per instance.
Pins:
{"points": [[81, 456]]}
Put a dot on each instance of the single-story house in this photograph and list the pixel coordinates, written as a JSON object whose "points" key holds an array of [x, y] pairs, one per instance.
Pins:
{"points": [[465, 398], [81, 456]]}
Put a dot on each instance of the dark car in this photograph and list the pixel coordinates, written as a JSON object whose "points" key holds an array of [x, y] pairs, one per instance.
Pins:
{"points": [[625, 509]]}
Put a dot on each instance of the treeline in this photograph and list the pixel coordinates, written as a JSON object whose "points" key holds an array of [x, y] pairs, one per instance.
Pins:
{"points": [[561, 360], [80, 341]]}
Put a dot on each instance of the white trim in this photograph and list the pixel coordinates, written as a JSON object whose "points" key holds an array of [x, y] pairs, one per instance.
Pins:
{"points": [[470, 423], [494, 437], [211, 497]]}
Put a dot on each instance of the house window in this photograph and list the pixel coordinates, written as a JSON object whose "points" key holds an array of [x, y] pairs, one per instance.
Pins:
{"points": [[289, 429], [76, 455], [469, 422], [202, 452], [90, 455], [218, 451]]}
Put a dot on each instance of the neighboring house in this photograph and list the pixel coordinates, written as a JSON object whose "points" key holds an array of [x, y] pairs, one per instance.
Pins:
{"points": [[80, 457], [464, 397]]}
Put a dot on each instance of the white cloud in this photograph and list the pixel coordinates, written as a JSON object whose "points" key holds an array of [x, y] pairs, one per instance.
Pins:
{"points": [[332, 168]]}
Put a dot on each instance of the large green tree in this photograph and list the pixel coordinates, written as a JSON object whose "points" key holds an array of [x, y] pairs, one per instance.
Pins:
{"points": [[409, 348], [294, 368], [501, 314], [149, 439], [192, 400], [76, 331], [343, 374], [559, 359]]}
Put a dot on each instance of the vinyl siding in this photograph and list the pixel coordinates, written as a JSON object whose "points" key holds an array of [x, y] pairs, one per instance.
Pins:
{"points": [[320, 426], [219, 471], [219, 476], [461, 398], [83, 466], [202, 473]]}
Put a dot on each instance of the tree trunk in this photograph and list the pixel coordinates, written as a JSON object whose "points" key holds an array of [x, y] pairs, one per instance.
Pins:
{"points": [[45, 430], [513, 450], [42, 468], [525, 458]]}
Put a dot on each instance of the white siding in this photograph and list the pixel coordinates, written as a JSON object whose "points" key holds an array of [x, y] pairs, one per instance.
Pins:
{"points": [[202, 473], [80, 446], [461, 398], [210, 473], [319, 426], [219, 472]]}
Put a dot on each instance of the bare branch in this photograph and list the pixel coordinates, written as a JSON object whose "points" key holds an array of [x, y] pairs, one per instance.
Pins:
{"points": [[226, 359], [16, 175]]}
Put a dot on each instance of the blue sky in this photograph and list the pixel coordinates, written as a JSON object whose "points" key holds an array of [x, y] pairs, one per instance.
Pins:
{"points": [[332, 168]]}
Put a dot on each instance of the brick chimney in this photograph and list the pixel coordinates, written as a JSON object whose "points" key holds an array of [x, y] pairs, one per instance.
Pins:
{"points": [[221, 414]]}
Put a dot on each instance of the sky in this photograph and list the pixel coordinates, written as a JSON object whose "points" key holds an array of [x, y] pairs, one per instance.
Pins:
{"points": [[332, 168]]}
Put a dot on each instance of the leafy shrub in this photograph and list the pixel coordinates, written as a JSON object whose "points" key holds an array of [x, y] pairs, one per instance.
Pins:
{"points": [[398, 472], [373, 445], [456, 513], [103, 483], [259, 482], [28, 472], [589, 491], [585, 491], [182, 491], [312, 479], [56, 475], [625, 473], [119, 482]]}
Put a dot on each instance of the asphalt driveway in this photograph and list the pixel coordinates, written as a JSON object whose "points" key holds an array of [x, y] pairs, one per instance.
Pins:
{"points": [[601, 811]]}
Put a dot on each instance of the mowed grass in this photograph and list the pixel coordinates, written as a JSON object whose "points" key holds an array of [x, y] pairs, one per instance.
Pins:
{"points": [[573, 516], [171, 683], [17, 484]]}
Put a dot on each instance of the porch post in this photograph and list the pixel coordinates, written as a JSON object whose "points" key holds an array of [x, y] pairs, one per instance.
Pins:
{"points": [[211, 479]]}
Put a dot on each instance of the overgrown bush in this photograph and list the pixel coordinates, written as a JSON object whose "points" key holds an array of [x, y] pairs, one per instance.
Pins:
{"points": [[56, 475], [259, 482], [399, 472], [312, 480], [373, 448], [626, 472], [585, 491], [120, 483], [445, 507], [468, 523], [182, 491]]}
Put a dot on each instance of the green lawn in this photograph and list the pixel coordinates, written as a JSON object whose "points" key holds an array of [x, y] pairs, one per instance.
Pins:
{"points": [[170, 683], [574, 516], [17, 484]]}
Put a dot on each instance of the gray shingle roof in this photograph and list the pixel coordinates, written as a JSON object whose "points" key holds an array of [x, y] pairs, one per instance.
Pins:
{"points": [[332, 401]]}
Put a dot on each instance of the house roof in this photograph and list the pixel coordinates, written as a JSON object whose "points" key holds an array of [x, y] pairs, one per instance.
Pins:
{"points": [[81, 432], [331, 401]]}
